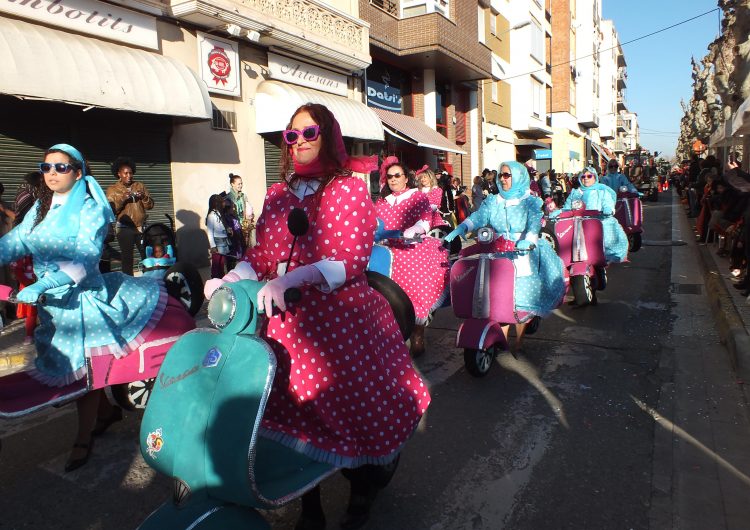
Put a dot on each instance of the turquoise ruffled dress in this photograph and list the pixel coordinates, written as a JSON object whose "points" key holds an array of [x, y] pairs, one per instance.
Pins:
{"points": [[601, 197], [516, 215], [101, 313]]}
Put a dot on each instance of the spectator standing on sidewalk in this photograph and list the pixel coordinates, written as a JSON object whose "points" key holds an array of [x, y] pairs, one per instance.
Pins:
{"points": [[478, 193], [244, 211], [129, 200], [218, 235]]}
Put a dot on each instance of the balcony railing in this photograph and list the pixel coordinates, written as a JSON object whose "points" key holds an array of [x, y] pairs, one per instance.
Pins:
{"points": [[623, 125], [388, 6], [620, 146]]}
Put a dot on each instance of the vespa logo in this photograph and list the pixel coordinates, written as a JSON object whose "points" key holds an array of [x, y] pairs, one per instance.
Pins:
{"points": [[459, 277], [561, 235]]}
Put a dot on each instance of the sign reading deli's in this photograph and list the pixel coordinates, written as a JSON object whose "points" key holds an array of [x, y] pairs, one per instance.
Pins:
{"points": [[89, 16], [307, 75]]}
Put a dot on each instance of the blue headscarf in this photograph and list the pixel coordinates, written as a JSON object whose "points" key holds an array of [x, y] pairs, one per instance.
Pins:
{"points": [[520, 181], [70, 214]]}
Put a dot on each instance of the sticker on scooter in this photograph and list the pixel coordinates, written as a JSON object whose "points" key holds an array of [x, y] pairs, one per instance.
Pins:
{"points": [[154, 443], [212, 358]]}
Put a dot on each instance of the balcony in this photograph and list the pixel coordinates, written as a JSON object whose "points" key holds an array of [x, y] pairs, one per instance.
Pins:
{"points": [[621, 102], [622, 77], [388, 6], [415, 8], [622, 125], [620, 146], [311, 28], [589, 120]]}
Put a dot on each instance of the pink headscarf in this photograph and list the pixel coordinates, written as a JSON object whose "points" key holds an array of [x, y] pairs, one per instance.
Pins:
{"points": [[388, 161]]}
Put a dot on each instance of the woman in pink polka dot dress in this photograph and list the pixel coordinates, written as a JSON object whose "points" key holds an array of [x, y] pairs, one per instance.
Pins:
{"points": [[345, 391], [422, 270], [429, 186]]}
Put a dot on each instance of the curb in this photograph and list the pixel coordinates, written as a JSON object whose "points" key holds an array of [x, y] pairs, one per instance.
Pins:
{"points": [[731, 328]]}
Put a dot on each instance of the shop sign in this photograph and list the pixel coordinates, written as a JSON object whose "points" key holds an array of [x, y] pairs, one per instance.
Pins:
{"points": [[219, 64], [542, 154], [383, 96], [574, 155], [91, 17], [303, 74]]}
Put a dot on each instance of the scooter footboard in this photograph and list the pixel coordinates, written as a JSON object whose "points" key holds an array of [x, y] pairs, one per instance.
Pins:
{"points": [[480, 334], [204, 514]]}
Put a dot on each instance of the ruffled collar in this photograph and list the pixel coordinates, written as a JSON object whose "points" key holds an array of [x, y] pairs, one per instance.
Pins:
{"points": [[400, 196], [304, 187]]}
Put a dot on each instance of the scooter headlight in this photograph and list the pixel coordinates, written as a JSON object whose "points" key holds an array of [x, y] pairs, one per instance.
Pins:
{"points": [[222, 307], [485, 235], [623, 189]]}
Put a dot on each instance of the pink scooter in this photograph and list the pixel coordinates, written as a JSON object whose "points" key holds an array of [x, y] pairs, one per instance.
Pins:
{"points": [[578, 238], [129, 378], [629, 213], [482, 285]]}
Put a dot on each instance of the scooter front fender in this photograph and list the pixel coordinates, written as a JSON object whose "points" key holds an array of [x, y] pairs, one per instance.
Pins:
{"points": [[204, 514], [581, 268], [480, 334]]}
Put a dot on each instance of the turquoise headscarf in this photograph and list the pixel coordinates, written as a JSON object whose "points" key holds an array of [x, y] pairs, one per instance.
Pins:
{"points": [[520, 181], [70, 214]]}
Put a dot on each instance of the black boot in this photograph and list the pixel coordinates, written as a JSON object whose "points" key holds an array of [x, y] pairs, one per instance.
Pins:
{"points": [[361, 497], [312, 516]]}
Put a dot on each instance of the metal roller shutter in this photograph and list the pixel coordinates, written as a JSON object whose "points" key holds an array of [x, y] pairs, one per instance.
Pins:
{"points": [[272, 154]]}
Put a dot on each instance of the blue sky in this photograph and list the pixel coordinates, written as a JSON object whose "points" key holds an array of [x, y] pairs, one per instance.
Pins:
{"points": [[659, 66]]}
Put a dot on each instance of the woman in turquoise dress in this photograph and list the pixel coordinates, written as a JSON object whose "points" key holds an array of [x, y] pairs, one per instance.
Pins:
{"points": [[85, 313], [516, 216], [598, 196]]}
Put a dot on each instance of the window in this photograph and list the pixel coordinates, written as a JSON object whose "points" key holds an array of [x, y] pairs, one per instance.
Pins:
{"points": [[537, 41], [495, 96], [441, 102], [480, 20], [537, 98], [224, 120], [493, 23]]}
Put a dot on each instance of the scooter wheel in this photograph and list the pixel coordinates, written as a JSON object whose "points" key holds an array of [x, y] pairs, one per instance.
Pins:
{"points": [[133, 396], [183, 282], [478, 362], [601, 278], [635, 241], [533, 326], [583, 291], [548, 234]]}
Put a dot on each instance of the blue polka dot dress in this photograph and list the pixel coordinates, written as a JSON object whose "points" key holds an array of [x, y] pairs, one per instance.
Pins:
{"points": [[100, 314], [540, 287]]}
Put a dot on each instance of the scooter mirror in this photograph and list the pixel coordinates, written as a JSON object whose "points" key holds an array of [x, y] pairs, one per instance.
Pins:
{"points": [[297, 222], [623, 189]]}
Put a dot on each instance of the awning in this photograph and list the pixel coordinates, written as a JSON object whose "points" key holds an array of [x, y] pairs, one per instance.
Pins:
{"points": [[524, 142], [275, 102], [43, 63], [400, 126], [741, 120], [600, 152]]}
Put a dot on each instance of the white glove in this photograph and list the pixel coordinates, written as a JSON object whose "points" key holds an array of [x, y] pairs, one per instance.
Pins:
{"points": [[413, 231], [272, 293]]}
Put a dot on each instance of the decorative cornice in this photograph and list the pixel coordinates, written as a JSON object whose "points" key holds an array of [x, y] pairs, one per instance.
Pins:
{"points": [[307, 25]]}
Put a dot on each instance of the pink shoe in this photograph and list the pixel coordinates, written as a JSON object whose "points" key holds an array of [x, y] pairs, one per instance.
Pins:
{"points": [[28, 340]]}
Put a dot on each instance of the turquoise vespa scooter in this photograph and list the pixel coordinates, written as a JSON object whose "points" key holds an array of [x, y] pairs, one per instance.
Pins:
{"points": [[201, 425]]}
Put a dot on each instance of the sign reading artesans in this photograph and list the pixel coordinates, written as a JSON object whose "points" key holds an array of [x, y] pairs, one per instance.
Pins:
{"points": [[307, 75], [89, 16], [219, 63]]}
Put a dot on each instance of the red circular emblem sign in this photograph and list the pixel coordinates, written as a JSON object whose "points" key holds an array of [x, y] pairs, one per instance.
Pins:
{"points": [[219, 65]]}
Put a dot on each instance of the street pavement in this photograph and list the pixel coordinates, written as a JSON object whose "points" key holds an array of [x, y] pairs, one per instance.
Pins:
{"points": [[623, 415]]}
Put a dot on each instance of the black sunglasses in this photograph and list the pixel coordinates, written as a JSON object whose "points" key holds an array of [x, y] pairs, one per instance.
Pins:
{"points": [[505, 175], [394, 175], [46, 167], [309, 133]]}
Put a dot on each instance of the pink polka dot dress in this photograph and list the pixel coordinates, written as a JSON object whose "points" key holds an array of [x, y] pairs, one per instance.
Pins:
{"points": [[345, 390], [435, 196], [421, 270]]}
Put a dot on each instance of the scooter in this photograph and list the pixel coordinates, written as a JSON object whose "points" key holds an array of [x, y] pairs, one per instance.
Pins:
{"points": [[482, 284], [578, 238], [128, 379], [223, 470], [629, 213]]}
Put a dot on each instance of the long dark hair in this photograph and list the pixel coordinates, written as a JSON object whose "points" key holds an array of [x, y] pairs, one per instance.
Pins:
{"points": [[410, 182], [329, 156], [45, 194]]}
